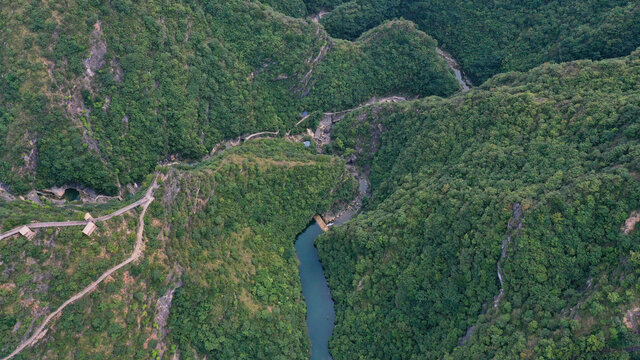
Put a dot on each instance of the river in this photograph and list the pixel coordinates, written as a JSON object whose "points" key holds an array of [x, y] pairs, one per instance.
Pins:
{"points": [[320, 312]]}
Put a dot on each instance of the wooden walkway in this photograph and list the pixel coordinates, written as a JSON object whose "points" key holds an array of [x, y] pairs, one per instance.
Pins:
{"points": [[320, 222], [38, 225]]}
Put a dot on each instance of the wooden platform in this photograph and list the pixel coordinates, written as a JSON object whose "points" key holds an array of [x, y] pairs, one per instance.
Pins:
{"points": [[320, 222]]}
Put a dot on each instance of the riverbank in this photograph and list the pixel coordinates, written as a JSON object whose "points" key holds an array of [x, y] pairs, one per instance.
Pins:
{"points": [[353, 208]]}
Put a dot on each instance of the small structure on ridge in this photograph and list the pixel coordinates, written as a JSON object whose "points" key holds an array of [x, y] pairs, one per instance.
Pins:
{"points": [[26, 232], [89, 228]]}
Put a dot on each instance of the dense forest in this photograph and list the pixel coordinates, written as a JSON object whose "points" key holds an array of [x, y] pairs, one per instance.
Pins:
{"points": [[499, 221], [489, 37], [241, 297], [98, 92], [417, 270]]}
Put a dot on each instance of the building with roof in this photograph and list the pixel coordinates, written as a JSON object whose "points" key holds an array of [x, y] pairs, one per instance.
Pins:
{"points": [[89, 228], [26, 232]]}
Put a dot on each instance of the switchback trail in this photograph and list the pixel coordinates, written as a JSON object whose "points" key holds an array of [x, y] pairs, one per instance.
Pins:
{"points": [[41, 331]]}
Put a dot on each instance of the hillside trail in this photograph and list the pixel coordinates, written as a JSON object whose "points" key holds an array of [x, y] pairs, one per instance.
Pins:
{"points": [[463, 79], [41, 331], [39, 225]]}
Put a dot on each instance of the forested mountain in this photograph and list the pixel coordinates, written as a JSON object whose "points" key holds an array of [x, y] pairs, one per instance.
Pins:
{"points": [[98, 92], [543, 163], [489, 37], [496, 223]]}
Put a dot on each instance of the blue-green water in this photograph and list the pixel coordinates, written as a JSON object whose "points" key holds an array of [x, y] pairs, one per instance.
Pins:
{"points": [[320, 313]]}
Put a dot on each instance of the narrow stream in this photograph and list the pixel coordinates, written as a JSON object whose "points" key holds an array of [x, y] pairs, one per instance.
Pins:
{"points": [[465, 82], [320, 312], [513, 229]]}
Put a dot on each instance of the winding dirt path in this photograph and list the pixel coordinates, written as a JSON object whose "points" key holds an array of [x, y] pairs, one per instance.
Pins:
{"points": [[41, 331], [373, 101], [274, 133]]}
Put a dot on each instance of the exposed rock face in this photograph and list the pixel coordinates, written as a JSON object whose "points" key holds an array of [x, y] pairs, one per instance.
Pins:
{"points": [[116, 70], [33, 196], [5, 194], [55, 194], [630, 224], [57, 191], [93, 63], [463, 80], [31, 157], [353, 208], [163, 307], [467, 336], [631, 319], [98, 48]]}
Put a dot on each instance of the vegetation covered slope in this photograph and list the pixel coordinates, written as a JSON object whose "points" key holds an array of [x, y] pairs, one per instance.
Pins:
{"points": [[38, 275], [489, 37], [241, 297], [218, 253], [417, 270], [294, 8], [98, 92]]}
